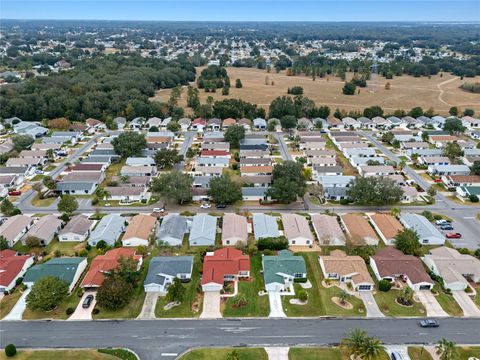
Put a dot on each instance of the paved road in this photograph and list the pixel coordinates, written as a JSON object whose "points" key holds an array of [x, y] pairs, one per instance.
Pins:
{"points": [[150, 338], [282, 146]]}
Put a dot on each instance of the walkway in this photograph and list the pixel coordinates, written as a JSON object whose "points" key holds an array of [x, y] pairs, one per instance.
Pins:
{"points": [[148, 309], [211, 305], [431, 304], [276, 309], [373, 311], [277, 353], [470, 309], [17, 312]]}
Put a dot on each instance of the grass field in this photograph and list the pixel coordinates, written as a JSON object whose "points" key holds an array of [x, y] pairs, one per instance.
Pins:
{"points": [[8, 302], [36, 201], [211, 354], [418, 353], [467, 352], [448, 303], [405, 92], [323, 354], [387, 304], [59, 354]]}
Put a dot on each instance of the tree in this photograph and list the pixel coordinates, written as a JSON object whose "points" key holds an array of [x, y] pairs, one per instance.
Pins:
{"points": [[272, 243], [8, 209], [114, 293], [349, 88], [475, 168], [406, 295], [22, 142], [224, 190], [176, 291], [173, 126], [374, 190], [167, 158], [416, 112], [127, 269], [129, 144], [288, 122], [447, 350], [384, 285], [153, 128], [174, 185], [49, 183], [372, 112], [452, 150], [408, 242], [431, 191], [288, 182], [59, 123], [473, 198], [468, 112], [296, 90], [453, 111], [372, 349], [355, 341], [343, 296], [3, 243], [238, 84], [10, 350], [67, 204], [234, 134], [453, 126], [388, 137], [47, 293]]}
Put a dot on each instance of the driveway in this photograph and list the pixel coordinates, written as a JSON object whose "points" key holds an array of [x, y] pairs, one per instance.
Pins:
{"points": [[277, 353], [81, 313], [402, 349], [276, 309], [211, 305], [469, 308], [148, 309], [431, 304], [17, 311], [373, 311]]}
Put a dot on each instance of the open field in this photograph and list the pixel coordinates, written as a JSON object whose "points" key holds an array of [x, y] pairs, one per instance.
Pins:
{"points": [[406, 91]]}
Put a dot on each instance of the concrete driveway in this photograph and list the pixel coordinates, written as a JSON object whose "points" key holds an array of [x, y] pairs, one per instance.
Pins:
{"points": [[211, 305], [373, 311], [148, 309], [431, 304], [276, 309], [402, 349], [277, 353], [17, 311], [81, 313], [469, 308]]}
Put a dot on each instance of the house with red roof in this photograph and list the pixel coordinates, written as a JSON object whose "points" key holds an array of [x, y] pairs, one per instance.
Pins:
{"points": [[227, 264], [12, 267], [216, 154], [103, 264], [199, 124]]}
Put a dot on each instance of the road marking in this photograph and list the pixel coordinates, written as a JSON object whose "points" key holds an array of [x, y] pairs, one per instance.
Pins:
{"points": [[168, 354], [469, 217]]}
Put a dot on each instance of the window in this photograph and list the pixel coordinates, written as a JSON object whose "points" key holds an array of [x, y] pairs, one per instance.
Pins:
{"points": [[183, 276], [298, 276]]}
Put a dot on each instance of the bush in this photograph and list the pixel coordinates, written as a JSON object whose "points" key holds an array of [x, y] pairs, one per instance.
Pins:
{"points": [[344, 201], [57, 253], [278, 243], [437, 217], [69, 311], [428, 215], [83, 253], [302, 295], [10, 350], [473, 198], [95, 200], [384, 285], [95, 311], [18, 281]]}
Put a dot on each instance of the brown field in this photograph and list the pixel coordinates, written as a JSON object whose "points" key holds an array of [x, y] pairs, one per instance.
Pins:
{"points": [[406, 91]]}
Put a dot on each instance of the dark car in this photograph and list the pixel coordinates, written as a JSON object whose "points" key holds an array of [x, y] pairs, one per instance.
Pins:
{"points": [[446, 227], [87, 302], [428, 323], [221, 206]]}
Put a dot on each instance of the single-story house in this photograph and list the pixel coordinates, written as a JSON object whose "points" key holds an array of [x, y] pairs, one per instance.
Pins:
{"points": [[76, 188], [359, 229], [281, 271], [254, 193], [163, 270], [376, 170], [12, 267], [172, 229], [15, 227], [234, 229], [387, 226], [139, 230], [77, 229], [44, 229], [126, 193], [203, 230], [264, 226], [258, 180], [428, 234], [138, 170], [449, 170], [434, 160], [140, 161], [108, 229], [296, 229], [464, 192], [328, 230], [259, 124], [452, 181]]}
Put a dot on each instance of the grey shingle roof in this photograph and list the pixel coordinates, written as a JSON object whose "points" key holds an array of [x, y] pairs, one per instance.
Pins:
{"points": [[265, 226], [172, 229], [167, 265]]}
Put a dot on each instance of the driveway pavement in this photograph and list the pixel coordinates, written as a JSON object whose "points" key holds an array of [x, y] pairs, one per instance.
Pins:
{"points": [[211, 305], [148, 309], [402, 349], [276, 309], [81, 313], [277, 353], [373, 311], [469, 308], [17, 311], [431, 304]]}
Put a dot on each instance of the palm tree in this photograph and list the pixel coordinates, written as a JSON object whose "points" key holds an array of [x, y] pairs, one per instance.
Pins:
{"points": [[233, 355], [395, 212], [343, 296], [446, 349], [354, 342], [106, 194], [407, 294], [372, 348]]}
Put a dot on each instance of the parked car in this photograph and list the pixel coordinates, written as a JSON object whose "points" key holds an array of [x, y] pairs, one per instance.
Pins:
{"points": [[437, 180], [446, 227], [442, 222], [429, 323], [453, 236], [396, 356], [221, 206], [87, 302], [158, 210], [39, 172], [15, 193], [205, 206]]}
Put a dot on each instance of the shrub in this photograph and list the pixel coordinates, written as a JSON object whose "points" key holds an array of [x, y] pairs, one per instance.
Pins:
{"points": [[302, 295], [95, 311], [276, 243], [69, 311], [57, 253], [10, 350], [344, 201], [95, 200], [18, 281], [473, 198], [83, 253], [437, 217], [384, 285], [468, 290]]}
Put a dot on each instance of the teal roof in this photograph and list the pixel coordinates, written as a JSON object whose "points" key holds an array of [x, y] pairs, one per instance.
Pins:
{"points": [[61, 268], [286, 263], [472, 190]]}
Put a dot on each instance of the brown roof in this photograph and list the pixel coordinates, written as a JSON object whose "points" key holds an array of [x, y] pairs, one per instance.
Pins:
{"points": [[390, 261], [358, 227], [256, 169], [339, 263], [468, 179], [229, 121], [388, 225], [140, 226], [158, 139], [88, 167], [443, 138]]}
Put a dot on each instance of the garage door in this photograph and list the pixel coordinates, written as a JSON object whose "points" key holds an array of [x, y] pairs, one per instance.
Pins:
{"points": [[364, 287], [424, 287]]}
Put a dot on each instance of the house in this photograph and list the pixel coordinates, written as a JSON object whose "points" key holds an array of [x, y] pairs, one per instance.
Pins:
{"points": [[359, 152], [12, 267], [138, 170], [9, 181], [15, 227], [120, 122], [376, 170], [265, 226], [394, 121], [253, 154], [351, 123], [139, 230], [172, 229], [464, 192], [387, 226], [127, 194], [454, 268], [22, 162], [391, 264], [320, 153], [254, 193], [428, 234], [410, 194], [68, 269], [199, 125], [140, 161], [216, 146], [77, 229], [203, 231], [255, 162], [96, 168], [282, 270], [95, 125], [470, 122], [84, 176], [212, 162], [228, 122], [227, 264], [360, 231], [153, 121], [328, 230], [108, 229], [257, 181], [451, 169], [214, 124], [366, 123], [452, 181], [137, 123], [184, 123], [365, 161], [163, 270], [334, 122], [44, 230], [335, 181], [165, 122], [256, 170], [213, 137], [260, 124], [347, 269], [73, 136], [36, 154], [379, 122], [319, 162], [296, 229], [215, 154], [317, 145], [434, 160], [304, 123], [104, 264], [246, 123], [234, 230]]}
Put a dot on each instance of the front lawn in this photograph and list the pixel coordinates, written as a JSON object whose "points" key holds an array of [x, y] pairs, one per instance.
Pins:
{"points": [[448, 304], [324, 354], [184, 310], [209, 354], [9, 301], [387, 304], [256, 305], [36, 201], [468, 352], [319, 297], [113, 170], [418, 353], [477, 298], [89, 354]]}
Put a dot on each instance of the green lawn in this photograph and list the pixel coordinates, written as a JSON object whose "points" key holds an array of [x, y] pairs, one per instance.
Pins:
{"points": [[59, 354], [113, 170], [256, 305], [348, 169], [466, 352], [191, 296], [319, 298], [36, 201], [217, 354], [448, 303], [477, 298], [387, 304], [9, 301], [418, 353], [315, 354]]}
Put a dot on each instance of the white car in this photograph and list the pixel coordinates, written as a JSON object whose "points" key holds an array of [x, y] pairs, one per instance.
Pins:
{"points": [[442, 222], [158, 210], [205, 206]]}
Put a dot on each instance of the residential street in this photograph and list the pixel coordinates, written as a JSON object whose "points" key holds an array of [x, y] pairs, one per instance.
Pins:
{"points": [[150, 338]]}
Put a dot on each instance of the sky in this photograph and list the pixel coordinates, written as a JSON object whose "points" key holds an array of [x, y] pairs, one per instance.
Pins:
{"points": [[248, 10]]}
